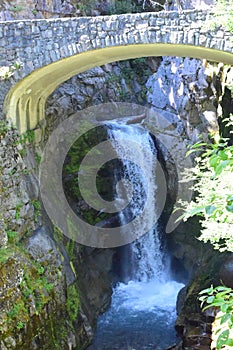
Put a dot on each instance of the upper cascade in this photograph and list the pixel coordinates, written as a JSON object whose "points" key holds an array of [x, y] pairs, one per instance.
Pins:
{"points": [[135, 148]]}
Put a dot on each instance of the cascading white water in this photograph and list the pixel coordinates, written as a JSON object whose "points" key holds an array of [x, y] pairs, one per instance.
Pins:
{"points": [[142, 312], [146, 256]]}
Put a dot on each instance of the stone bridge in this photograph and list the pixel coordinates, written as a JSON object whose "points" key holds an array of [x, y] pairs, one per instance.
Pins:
{"points": [[52, 51]]}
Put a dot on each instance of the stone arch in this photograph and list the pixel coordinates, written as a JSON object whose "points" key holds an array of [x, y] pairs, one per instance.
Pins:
{"points": [[25, 103]]}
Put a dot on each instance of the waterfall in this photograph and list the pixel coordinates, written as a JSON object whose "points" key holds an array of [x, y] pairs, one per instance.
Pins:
{"points": [[146, 257], [143, 307]]}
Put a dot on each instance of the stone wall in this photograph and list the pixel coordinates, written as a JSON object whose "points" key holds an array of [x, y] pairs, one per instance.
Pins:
{"points": [[65, 37]]}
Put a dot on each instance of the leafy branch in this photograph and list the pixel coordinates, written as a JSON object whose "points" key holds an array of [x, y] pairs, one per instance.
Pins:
{"points": [[220, 297], [214, 188]]}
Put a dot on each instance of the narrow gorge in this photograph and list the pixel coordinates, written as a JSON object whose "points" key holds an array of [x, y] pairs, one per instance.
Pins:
{"points": [[56, 293]]}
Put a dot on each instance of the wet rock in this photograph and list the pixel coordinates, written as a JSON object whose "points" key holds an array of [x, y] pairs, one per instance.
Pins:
{"points": [[226, 272], [95, 281], [181, 299]]}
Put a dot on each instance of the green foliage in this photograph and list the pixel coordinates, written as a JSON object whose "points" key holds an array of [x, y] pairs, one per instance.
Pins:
{"points": [[17, 311], [34, 289], [222, 298], [214, 187], [37, 208], [71, 170], [4, 127], [27, 137], [85, 7], [38, 157], [73, 302], [123, 6], [214, 204], [40, 270], [24, 140], [223, 15], [7, 71], [20, 325], [12, 236], [70, 248], [131, 69], [5, 254], [36, 204], [17, 210]]}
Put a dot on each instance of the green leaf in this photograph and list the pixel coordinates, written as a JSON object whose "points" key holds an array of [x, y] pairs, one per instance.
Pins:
{"points": [[213, 304], [229, 342], [213, 161], [202, 298], [221, 166], [225, 318], [223, 155], [207, 291], [222, 339], [229, 208], [208, 307], [196, 211], [210, 209], [210, 299], [230, 198], [223, 289], [198, 145], [190, 152]]}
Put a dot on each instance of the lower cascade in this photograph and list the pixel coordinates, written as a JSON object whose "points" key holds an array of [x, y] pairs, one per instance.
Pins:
{"points": [[143, 308]]}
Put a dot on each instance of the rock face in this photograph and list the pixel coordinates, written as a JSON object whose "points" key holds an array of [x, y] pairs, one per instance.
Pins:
{"points": [[115, 82], [21, 9], [40, 305], [184, 92], [42, 300], [94, 281], [30, 9], [190, 4], [201, 264], [17, 206], [67, 286], [226, 272]]}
